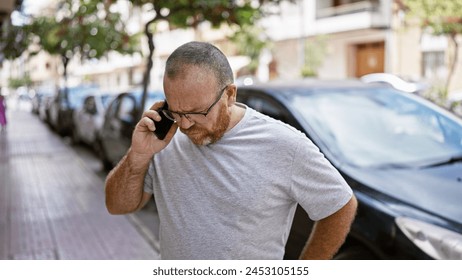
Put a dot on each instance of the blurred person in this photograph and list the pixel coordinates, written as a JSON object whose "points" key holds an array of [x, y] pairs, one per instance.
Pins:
{"points": [[3, 121], [227, 185]]}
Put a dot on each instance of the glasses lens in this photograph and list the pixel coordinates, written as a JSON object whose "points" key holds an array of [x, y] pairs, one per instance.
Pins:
{"points": [[169, 115]]}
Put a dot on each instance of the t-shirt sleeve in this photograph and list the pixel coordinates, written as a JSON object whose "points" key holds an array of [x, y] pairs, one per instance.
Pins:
{"points": [[148, 179], [316, 185]]}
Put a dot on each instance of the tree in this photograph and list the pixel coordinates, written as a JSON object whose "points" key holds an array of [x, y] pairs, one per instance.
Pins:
{"points": [[14, 39], [81, 27], [191, 13], [441, 17], [16, 83], [314, 53], [250, 41]]}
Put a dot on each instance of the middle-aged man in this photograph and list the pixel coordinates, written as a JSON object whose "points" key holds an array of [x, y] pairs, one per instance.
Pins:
{"points": [[227, 185]]}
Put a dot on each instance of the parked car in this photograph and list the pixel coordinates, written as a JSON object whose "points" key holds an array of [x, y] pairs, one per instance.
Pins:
{"points": [[63, 105], [119, 121], [40, 94], [396, 82], [44, 105], [400, 154], [89, 117]]}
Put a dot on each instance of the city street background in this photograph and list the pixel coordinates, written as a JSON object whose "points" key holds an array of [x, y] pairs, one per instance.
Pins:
{"points": [[52, 199], [84, 71]]}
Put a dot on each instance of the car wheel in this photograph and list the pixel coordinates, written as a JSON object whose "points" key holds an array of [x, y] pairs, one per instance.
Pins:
{"points": [[356, 252]]}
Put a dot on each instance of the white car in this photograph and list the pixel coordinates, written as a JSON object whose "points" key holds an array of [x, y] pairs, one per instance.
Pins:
{"points": [[396, 82], [89, 118]]}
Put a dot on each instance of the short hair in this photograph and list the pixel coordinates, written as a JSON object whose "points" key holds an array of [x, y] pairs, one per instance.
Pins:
{"points": [[201, 54]]}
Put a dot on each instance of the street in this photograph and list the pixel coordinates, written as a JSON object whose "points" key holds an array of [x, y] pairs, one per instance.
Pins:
{"points": [[52, 200]]}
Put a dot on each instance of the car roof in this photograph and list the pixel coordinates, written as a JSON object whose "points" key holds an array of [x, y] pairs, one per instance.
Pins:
{"points": [[281, 87]]}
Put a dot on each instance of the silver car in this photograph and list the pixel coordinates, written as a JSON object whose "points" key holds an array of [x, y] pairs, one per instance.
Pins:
{"points": [[88, 119]]}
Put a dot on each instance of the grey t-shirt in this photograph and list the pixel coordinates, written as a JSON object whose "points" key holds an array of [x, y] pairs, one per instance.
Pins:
{"points": [[235, 199]]}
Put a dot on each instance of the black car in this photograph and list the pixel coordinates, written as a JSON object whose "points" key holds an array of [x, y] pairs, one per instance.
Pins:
{"points": [[120, 119], [400, 154]]}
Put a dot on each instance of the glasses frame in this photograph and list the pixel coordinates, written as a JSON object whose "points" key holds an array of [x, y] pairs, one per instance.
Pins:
{"points": [[170, 114]]}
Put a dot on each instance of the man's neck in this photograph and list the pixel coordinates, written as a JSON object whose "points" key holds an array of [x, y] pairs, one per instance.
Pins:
{"points": [[237, 113]]}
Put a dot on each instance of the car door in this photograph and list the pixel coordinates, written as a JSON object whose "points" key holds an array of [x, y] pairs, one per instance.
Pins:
{"points": [[268, 105], [86, 119], [121, 127]]}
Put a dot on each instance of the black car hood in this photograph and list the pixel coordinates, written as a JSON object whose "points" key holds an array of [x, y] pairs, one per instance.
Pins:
{"points": [[437, 190]]}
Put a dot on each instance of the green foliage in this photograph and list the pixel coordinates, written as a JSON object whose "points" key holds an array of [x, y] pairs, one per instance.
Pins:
{"points": [[14, 41], [250, 41], [190, 13], [17, 83], [437, 93], [315, 52], [82, 27], [442, 16]]}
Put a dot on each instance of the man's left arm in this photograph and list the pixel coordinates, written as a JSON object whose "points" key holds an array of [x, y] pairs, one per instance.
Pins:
{"points": [[329, 234]]}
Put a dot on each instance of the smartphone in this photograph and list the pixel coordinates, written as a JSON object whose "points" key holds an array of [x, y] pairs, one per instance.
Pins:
{"points": [[163, 126]]}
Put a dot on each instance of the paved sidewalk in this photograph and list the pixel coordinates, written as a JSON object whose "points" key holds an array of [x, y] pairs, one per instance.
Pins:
{"points": [[52, 205]]}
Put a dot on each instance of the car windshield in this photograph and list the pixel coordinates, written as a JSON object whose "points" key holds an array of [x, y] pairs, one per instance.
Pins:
{"points": [[153, 97], [106, 99], [381, 127], [77, 95]]}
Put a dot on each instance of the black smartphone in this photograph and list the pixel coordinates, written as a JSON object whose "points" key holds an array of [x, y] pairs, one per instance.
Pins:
{"points": [[163, 126]]}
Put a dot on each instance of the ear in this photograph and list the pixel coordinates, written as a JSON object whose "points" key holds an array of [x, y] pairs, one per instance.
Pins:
{"points": [[231, 93]]}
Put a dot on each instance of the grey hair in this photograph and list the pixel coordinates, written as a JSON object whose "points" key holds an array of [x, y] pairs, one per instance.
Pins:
{"points": [[201, 54]]}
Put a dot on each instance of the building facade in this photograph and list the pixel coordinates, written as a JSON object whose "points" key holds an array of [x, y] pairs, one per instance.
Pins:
{"points": [[361, 37]]}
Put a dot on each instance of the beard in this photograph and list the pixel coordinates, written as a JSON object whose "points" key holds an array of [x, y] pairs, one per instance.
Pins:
{"points": [[202, 136]]}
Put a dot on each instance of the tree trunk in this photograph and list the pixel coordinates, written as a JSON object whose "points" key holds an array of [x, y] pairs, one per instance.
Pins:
{"points": [[452, 65], [65, 60], [149, 66]]}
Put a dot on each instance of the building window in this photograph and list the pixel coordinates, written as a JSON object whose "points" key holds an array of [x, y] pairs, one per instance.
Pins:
{"points": [[433, 66]]}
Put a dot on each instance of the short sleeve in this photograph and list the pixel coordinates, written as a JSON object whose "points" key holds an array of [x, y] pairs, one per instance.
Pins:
{"points": [[316, 185]]}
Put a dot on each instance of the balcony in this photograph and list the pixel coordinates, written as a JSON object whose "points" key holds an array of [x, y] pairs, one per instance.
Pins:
{"points": [[336, 8]]}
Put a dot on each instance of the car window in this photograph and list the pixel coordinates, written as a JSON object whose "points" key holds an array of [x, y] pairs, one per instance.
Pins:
{"points": [[267, 106], [381, 127], [153, 98], [106, 100], [77, 95], [90, 105], [111, 111], [127, 108]]}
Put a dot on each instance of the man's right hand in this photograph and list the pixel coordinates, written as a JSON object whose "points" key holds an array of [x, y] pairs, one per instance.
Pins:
{"points": [[124, 184], [144, 141]]}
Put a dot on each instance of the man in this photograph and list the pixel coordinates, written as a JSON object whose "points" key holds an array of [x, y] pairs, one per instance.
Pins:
{"points": [[227, 185]]}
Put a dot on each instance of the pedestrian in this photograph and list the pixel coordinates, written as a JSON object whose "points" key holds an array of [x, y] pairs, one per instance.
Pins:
{"points": [[2, 113], [227, 185]]}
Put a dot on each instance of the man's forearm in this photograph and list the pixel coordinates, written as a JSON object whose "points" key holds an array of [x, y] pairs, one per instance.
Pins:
{"points": [[124, 184], [329, 234]]}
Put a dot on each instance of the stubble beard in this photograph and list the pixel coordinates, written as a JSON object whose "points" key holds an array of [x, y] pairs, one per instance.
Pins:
{"points": [[201, 136]]}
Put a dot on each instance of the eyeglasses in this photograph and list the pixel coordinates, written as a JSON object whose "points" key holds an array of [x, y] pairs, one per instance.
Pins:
{"points": [[176, 116]]}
